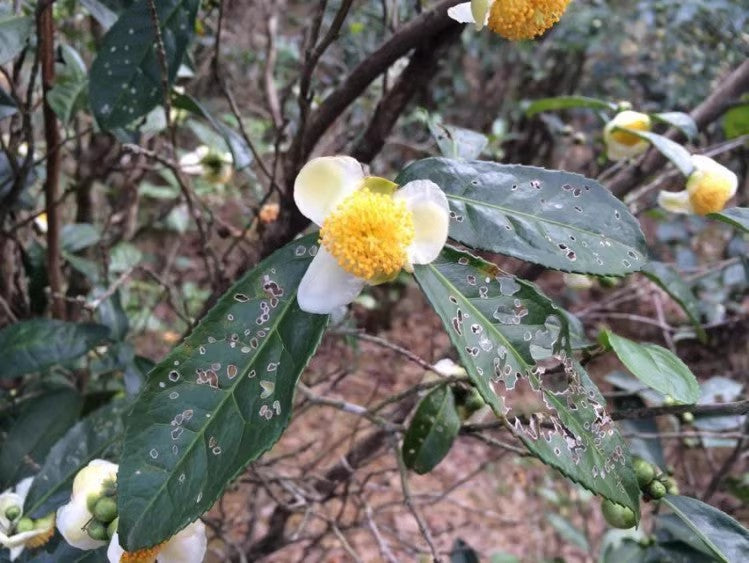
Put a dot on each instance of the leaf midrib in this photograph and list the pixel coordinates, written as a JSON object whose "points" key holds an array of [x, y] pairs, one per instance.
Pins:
{"points": [[201, 432], [696, 530]]}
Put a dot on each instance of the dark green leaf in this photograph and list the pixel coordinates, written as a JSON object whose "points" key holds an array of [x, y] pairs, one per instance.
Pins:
{"points": [[556, 219], [14, 32], [432, 431], [678, 155], [568, 531], [7, 105], [95, 437], [126, 77], [241, 153], [36, 344], [736, 121], [723, 535], [218, 401], [673, 283], [68, 96], [461, 552], [656, 367], [567, 102], [670, 528], [623, 551], [77, 236], [502, 328], [680, 120], [65, 553], [735, 216], [41, 422], [100, 12]]}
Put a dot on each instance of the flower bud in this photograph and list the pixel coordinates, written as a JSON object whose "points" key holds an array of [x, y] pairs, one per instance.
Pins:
{"points": [[687, 417], [12, 512], [112, 528], [623, 144], [672, 487], [97, 531], [25, 524], [644, 471], [105, 510], [617, 515], [656, 490]]}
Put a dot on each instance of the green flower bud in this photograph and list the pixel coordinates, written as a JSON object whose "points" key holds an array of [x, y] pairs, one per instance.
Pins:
{"points": [[91, 501], [687, 417], [656, 490], [668, 401], [672, 487], [112, 528], [97, 531], [109, 488], [12, 512], [105, 510], [24, 525], [617, 515], [645, 472], [45, 522]]}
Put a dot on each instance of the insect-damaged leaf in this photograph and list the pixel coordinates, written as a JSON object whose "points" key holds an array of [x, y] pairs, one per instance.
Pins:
{"points": [[557, 219], [513, 341], [219, 400]]}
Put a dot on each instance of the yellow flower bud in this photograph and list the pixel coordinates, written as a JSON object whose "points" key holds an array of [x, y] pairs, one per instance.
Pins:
{"points": [[622, 144]]}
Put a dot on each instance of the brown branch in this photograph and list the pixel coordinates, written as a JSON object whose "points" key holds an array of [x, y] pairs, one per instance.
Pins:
{"points": [[733, 86], [717, 409], [46, 35]]}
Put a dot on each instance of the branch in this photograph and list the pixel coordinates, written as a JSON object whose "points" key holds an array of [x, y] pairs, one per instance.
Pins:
{"points": [[733, 86], [718, 409]]}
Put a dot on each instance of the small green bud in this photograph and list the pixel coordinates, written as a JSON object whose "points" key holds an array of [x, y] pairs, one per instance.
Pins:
{"points": [[112, 528], [105, 510], [109, 488], [672, 487], [45, 522], [97, 531], [645, 472], [687, 417], [617, 515], [91, 501], [24, 525], [668, 401], [12, 512], [656, 490]]}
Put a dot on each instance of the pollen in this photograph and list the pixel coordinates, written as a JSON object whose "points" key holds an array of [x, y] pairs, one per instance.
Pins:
{"points": [[368, 234], [640, 123], [525, 19], [710, 196], [142, 555], [41, 539]]}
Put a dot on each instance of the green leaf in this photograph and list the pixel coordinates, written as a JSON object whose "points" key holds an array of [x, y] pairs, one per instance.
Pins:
{"points": [[673, 283], [735, 216], [567, 102], [218, 401], [457, 142], [68, 96], [100, 12], [502, 328], [656, 367], [97, 436], [461, 552], [14, 32], [126, 77], [8, 106], [36, 344], [568, 531], [557, 219], [736, 121], [680, 120], [42, 421], [77, 236], [725, 537], [678, 155], [432, 430], [240, 151]]}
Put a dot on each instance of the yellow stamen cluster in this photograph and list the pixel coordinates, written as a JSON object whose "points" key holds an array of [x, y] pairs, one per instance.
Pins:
{"points": [[525, 19], [628, 139], [142, 555], [368, 234], [710, 196], [41, 539]]}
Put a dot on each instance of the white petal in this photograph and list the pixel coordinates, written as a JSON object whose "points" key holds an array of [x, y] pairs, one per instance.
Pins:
{"points": [[461, 13], [675, 202], [431, 216], [115, 551], [190, 163], [448, 368], [90, 479], [323, 183], [16, 551], [706, 166], [326, 286], [23, 486], [188, 546], [20, 539], [480, 9], [71, 518], [8, 499]]}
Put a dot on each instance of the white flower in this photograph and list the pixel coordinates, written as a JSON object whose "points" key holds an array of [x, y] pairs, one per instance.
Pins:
{"points": [[73, 517], [10, 538], [188, 546], [446, 367], [622, 144], [709, 187], [213, 166], [512, 19], [369, 231]]}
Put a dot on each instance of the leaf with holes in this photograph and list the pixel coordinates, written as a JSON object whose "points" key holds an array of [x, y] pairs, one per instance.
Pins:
{"points": [[735, 216], [656, 367], [218, 401], [723, 535], [97, 436], [37, 344], [432, 431], [126, 76], [672, 283], [557, 219], [514, 343]]}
